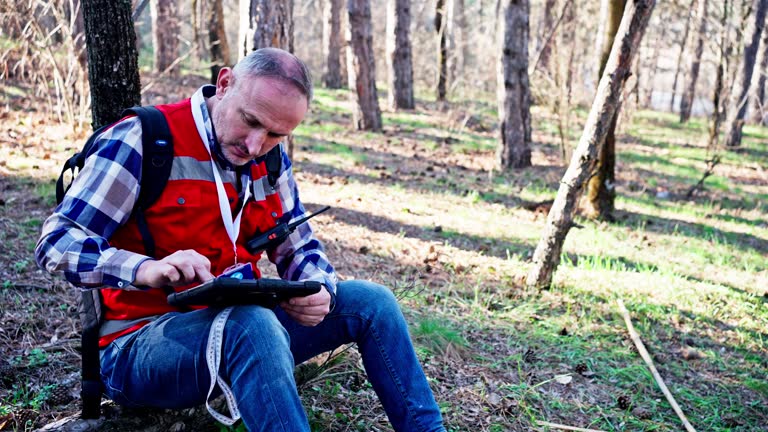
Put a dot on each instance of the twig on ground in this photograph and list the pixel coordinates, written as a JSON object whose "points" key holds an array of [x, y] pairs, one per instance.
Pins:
{"points": [[708, 171], [564, 427], [644, 354]]}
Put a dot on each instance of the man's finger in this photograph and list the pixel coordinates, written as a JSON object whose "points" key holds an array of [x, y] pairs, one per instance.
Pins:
{"points": [[309, 311], [187, 271], [171, 274], [203, 272], [319, 298]]}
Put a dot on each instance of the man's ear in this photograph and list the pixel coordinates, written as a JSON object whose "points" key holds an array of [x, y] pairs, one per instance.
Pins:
{"points": [[224, 81]]}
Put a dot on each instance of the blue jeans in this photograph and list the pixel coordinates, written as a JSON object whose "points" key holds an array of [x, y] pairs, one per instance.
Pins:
{"points": [[163, 364]]}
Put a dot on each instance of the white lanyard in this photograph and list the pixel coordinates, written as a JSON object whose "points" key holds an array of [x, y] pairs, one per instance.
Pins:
{"points": [[232, 227]]}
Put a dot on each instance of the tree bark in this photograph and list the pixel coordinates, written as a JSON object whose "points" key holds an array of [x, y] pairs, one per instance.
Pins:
{"points": [[113, 68], [399, 63], [601, 190], [686, 103], [332, 43], [512, 89], [559, 221], [738, 108], [442, 50], [165, 32], [457, 41], [759, 115], [717, 96], [683, 42], [265, 23], [545, 27], [361, 66], [217, 37]]}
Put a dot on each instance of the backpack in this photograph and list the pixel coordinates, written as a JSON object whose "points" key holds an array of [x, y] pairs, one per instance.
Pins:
{"points": [[157, 160]]}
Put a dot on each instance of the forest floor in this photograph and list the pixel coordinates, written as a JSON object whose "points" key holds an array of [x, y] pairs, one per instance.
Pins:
{"points": [[419, 208]]}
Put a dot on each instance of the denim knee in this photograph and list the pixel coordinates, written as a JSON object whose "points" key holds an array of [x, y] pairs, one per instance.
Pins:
{"points": [[253, 333], [366, 298]]}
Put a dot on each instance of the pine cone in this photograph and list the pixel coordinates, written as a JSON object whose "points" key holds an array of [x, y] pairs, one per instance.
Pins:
{"points": [[624, 402], [59, 395], [25, 419]]}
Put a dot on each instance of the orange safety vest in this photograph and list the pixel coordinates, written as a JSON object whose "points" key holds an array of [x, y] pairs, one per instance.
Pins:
{"points": [[186, 216]]}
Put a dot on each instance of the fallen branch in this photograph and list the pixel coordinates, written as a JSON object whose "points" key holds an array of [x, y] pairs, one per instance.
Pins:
{"points": [[708, 171], [644, 354], [564, 427]]}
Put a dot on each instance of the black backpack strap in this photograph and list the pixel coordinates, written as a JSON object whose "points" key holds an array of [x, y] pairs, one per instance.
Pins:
{"points": [[157, 160], [274, 163], [76, 162], [92, 388], [156, 164]]}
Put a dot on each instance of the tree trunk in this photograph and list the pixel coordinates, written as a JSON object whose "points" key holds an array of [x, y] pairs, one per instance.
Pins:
{"points": [[738, 108], [512, 89], [652, 68], [361, 66], [265, 23], [717, 96], [399, 64], [759, 116], [601, 190], [683, 42], [113, 68], [165, 35], [545, 27], [217, 37], [603, 112], [332, 43], [442, 50], [686, 103], [457, 42]]}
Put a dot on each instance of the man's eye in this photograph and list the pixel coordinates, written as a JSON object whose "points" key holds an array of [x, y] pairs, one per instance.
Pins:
{"points": [[250, 121]]}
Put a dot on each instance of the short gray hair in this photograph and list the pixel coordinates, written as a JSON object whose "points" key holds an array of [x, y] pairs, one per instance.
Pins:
{"points": [[277, 63]]}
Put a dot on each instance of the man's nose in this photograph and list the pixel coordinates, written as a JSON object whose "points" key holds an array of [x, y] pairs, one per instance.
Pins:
{"points": [[255, 141]]}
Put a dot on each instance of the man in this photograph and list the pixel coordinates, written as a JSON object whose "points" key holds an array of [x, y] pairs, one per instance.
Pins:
{"points": [[153, 354]]}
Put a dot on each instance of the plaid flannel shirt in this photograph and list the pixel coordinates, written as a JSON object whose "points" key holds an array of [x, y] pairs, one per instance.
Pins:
{"points": [[75, 238]]}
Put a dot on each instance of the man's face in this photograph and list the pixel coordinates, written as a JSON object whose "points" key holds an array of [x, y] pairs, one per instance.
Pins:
{"points": [[253, 114]]}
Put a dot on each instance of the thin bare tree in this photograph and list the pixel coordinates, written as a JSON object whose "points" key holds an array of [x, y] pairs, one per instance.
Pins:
{"points": [[600, 194], [546, 23], [442, 50], [513, 91], [739, 98], [686, 103], [361, 66], [758, 107], [332, 43], [165, 35], [217, 37], [399, 62], [618, 68], [683, 42]]}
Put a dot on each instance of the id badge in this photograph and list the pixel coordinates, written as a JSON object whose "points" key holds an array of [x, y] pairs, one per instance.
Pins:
{"points": [[239, 271]]}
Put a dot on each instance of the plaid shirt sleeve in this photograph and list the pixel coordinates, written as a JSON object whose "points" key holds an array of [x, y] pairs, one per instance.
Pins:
{"points": [[74, 238], [301, 255]]}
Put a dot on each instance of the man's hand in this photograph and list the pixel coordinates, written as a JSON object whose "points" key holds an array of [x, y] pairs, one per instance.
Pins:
{"points": [[310, 310], [180, 268]]}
